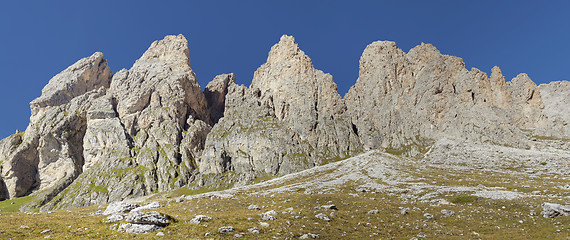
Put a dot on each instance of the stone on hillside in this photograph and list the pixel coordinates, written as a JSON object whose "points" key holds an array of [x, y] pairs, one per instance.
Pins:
{"points": [[373, 212], [330, 206], [199, 219], [267, 217], [309, 236], [138, 228], [119, 208], [323, 216], [227, 229], [253, 207], [153, 218], [114, 218], [404, 210], [151, 205], [551, 210], [253, 230], [448, 213]]}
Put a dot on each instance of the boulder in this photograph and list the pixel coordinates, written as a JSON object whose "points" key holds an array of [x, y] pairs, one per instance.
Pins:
{"points": [[551, 210]]}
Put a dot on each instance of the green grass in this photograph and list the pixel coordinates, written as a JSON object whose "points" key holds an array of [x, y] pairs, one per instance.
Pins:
{"points": [[463, 199], [263, 177], [98, 188], [13, 205], [485, 219]]}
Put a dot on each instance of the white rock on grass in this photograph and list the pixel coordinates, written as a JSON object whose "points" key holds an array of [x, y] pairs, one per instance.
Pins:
{"points": [[551, 210], [200, 218], [114, 218], [309, 236], [373, 212], [330, 206], [151, 218], [323, 216], [254, 207], [119, 207], [138, 228], [267, 217], [253, 230], [227, 229], [428, 216], [148, 206], [448, 213], [264, 224]]}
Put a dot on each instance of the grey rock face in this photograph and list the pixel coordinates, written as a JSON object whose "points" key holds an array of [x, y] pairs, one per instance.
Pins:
{"points": [[290, 118], [85, 75], [105, 137], [95, 137], [48, 156], [556, 99], [145, 133], [215, 94], [403, 101]]}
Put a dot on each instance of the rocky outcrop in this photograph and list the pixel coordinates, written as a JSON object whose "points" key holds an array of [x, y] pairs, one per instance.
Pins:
{"points": [[95, 137], [215, 94], [105, 137], [290, 118], [143, 136], [556, 99], [403, 101], [48, 156]]}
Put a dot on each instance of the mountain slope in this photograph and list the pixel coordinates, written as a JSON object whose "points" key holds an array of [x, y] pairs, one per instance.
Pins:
{"points": [[97, 137]]}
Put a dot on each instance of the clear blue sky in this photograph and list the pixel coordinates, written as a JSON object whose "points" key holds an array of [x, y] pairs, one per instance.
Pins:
{"points": [[41, 38]]}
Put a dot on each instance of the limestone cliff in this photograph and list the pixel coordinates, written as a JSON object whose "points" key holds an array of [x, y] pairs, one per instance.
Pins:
{"points": [[403, 101], [96, 137], [290, 118], [556, 99], [105, 137]]}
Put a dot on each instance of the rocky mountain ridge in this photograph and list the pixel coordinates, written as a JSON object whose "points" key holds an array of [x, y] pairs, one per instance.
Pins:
{"points": [[96, 137]]}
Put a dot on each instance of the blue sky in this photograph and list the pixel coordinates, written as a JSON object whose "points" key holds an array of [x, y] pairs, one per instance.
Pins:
{"points": [[38, 39]]}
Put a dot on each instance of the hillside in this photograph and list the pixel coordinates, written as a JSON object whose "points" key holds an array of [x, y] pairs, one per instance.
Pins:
{"points": [[417, 130]]}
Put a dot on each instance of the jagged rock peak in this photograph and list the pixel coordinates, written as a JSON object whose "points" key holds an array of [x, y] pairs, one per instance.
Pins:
{"points": [[172, 48], [402, 99], [286, 50], [163, 72], [85, 75]]}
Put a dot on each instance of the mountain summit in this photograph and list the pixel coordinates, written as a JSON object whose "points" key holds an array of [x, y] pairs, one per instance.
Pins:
{"points": [[96, 137]]}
